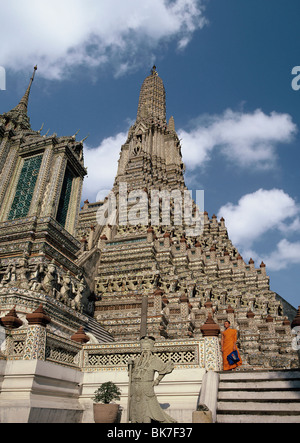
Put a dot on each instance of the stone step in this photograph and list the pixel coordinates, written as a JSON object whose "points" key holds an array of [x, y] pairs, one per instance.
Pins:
{"points": [[259, 397], [253, 418], [278, 396], [259, 375], [259, 385], [265, 407], [98, 331]]}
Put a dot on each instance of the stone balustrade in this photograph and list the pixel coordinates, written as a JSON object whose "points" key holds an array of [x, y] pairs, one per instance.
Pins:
{"points": [[37, 343]]}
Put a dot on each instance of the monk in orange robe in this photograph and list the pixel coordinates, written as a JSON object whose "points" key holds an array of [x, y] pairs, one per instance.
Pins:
{"points": [[228, 344]]}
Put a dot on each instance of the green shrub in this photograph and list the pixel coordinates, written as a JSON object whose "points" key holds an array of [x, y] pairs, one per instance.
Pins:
{"points": [[106, 393]]}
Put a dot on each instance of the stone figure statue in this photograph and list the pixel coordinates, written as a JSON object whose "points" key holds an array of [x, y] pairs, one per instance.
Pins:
{"points": [[50, 280], [10, 276], [80, 297], [23, 273], [36, 276], [143, 404], [66, 290]]}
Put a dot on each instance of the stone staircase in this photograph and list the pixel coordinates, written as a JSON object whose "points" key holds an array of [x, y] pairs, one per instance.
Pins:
{"points": [[259, 397], [101, 334]]}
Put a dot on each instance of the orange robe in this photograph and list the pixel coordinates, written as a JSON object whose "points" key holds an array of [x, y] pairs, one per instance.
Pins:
{"points": [[229, 339]]}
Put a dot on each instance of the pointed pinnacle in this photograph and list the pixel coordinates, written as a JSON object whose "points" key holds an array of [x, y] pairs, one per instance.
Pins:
{"points": [[22, 106]]}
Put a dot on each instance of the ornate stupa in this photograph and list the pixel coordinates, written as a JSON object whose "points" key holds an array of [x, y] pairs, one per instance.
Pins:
{"points": [[160, 274]]}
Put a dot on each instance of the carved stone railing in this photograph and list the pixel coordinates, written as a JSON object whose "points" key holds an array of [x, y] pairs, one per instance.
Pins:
{"points": [[62, 351], [101, 357], [15, 345], [36, 342]]}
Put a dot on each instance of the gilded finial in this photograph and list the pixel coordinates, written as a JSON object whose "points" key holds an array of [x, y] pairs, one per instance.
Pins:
{"points": [[34, 71], [40, 130], [22, 106], [74, 136], [84, 139]]}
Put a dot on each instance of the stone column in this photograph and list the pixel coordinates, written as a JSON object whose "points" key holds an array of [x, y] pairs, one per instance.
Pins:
{"points": [[207, 406], [183, 245], [230, 314], [144, 312], [8, 180], [51, 199], [212, 354], [35, 345], [102, 242], [91, 238], [82, 338], [167, 240], [74, 205], [150, 234], [40, 186], [10, 322], [198, 250]]}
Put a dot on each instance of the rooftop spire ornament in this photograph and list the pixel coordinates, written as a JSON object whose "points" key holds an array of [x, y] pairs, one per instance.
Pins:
{"points": [[22, 106]]}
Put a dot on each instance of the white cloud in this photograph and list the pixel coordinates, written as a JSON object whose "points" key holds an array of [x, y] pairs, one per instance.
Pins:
{"points": [[287, 253], [58, 35], [257, 213], [102, 164], [291, 228], [255, 216], [245, 139]]}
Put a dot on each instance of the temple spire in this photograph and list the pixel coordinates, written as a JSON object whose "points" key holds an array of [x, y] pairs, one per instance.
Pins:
{"points": [[152, 101], [18, 115], [22, 106]]}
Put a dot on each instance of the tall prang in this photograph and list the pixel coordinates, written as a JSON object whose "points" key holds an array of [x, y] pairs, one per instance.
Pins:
{"points": [[151, 156], [41, 180], [157, 279]]}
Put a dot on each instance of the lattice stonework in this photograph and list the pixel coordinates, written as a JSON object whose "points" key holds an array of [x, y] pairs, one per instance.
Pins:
{"points": [[60, 355], [180, 357], [65, 198], [25, 187], [18, 348], [110, 359]]}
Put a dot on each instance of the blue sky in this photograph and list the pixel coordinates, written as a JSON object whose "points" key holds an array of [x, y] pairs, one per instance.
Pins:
{"points": [[226, 66]]}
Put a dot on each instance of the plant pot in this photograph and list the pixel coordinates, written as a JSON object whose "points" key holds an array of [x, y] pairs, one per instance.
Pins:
{"points": [[105, 413]]}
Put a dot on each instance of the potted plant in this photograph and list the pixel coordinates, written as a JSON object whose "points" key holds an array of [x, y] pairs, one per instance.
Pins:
{"points": [[104, 410]]}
